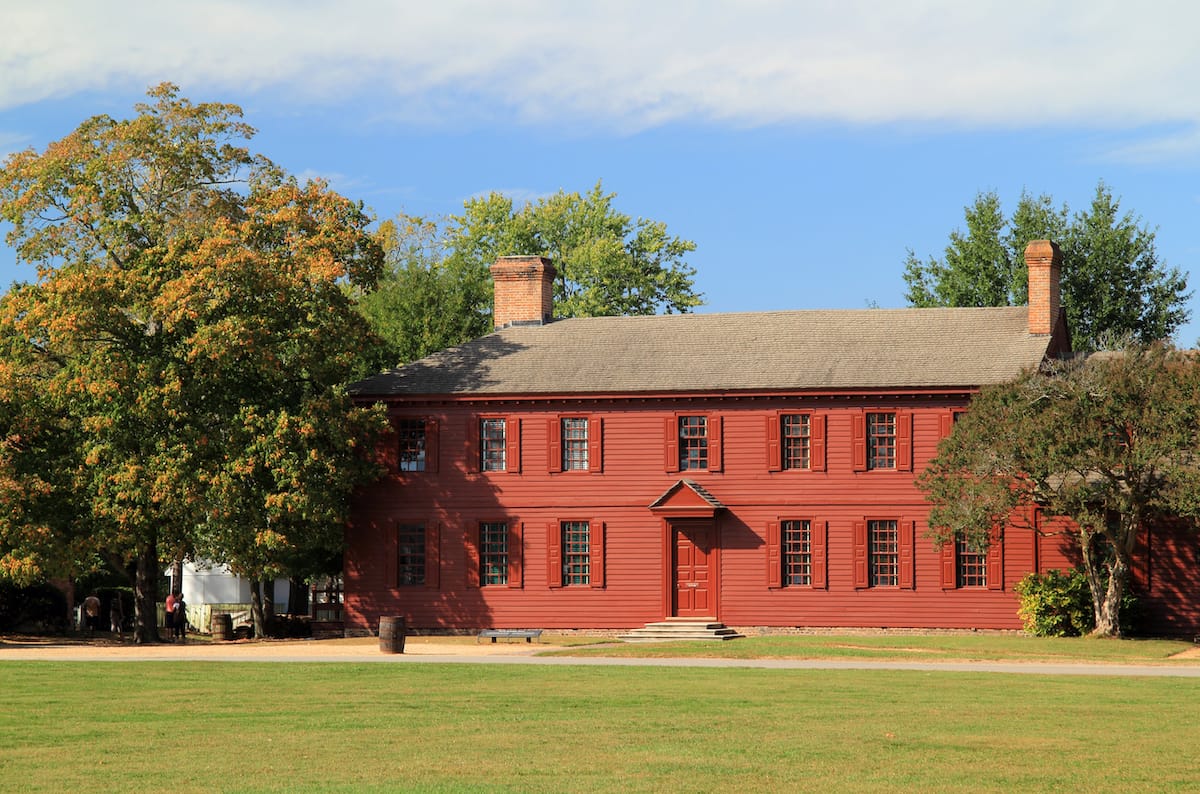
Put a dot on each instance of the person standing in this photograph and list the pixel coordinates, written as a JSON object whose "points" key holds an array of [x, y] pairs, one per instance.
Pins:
{"points": [[91, 612], [169, 616], [116, 616], [180, 617]]}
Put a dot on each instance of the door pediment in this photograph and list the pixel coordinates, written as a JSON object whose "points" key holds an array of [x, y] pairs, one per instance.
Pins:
{"points": [[686, 499]]}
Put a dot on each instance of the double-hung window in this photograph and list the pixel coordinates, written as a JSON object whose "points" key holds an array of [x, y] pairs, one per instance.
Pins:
{"points": [[796, 441], [883, 539], [493, 553], [575, 553], [410, 554], [414, 444], [796, 432], [884, 551], [971, 568], [967, 566], [797, 553], [411, 434], [881, 441], [493, 444], [693, 442], [575, 443]]}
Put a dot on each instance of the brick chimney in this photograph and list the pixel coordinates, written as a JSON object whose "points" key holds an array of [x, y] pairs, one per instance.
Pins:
{"points": [[524, 291], [1044, 260]]}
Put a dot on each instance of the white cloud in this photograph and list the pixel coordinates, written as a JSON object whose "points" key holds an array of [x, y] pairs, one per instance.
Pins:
{"points": [[626, 64]]}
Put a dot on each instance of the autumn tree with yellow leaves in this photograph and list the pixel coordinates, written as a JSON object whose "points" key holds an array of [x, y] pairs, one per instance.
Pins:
{"points": [[171, 382]]}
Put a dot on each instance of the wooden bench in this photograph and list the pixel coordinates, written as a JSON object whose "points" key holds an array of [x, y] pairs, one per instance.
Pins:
{"points": [[529, 635]]}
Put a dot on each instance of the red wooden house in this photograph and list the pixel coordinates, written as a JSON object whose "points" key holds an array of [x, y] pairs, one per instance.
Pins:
{"points": [[754, 469]]}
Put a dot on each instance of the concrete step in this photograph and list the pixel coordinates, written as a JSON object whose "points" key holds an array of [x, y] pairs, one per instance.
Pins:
{"points": [[677, 629]]}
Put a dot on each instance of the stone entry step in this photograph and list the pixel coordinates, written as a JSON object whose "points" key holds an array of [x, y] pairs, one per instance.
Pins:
{"points": [[676, 629]]}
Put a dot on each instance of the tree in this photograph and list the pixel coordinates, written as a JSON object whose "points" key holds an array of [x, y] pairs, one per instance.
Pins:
{"points": [[181, 351], [438, 289], [1108, 443], [1114, 287]]}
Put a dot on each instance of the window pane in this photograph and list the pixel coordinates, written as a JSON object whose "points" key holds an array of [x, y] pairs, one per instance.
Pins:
{"points": [[576, 552], [410, 542], [491, 445], [693, 443], [493, 553], [972, 565], [575, 444], [881, 441], [797, 553], [884, 550], [796, 441], [412, 444]]}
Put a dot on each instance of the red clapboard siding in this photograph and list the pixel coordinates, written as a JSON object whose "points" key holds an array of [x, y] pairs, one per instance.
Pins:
{"points": [[632, 468]]}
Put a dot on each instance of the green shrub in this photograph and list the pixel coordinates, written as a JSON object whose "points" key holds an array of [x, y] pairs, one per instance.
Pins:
{"points": [[40, 607], [1059, 604]]}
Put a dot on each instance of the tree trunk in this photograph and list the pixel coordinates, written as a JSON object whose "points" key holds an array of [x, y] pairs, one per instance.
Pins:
{"points": [[145, 594], [268, 591], [1107, 571]]}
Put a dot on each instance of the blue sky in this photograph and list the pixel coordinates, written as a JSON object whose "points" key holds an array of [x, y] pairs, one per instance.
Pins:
{"points": [[804, 146]]}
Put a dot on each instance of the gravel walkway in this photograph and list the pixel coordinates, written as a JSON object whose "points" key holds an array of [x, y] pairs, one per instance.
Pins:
{"points": [[464, 650]]}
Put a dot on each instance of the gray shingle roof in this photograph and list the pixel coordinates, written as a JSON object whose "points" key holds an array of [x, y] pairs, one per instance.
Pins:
{"points": [[761, 351]]}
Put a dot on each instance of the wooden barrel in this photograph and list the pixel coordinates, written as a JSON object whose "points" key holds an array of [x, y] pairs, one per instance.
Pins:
{"points": [[391, 634], [222, 627]]}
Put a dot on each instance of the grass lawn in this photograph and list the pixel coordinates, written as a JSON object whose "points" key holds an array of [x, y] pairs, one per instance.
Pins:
{"points": [[955, 646], [194, 726]]}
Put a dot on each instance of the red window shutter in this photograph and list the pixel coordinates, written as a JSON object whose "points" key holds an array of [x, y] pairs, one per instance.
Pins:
{"points": [[392, 550], [819, 534], [945, 424], [473, 443], [904, 441], [774, 556], [431, 445], [858, 441], [774, 455], [714, 443], [389, 447], [596, 541], [860, 555], [995, 562], [512, 445], [595, 444], [473, 546], [433, 559], [554, 554], [671, 443], [816, 443], [554, 444], [950, 564], [516, 568], [907, 530], [1139, 570]]}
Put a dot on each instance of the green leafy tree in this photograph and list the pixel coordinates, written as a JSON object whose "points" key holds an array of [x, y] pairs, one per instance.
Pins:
{"points": [[181, 351], [424, 302], [437, 292], [1114, 286], [1108, 443]]}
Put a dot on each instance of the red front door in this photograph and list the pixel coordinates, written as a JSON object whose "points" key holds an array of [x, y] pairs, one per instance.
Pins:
{"points": [[694, 564]]}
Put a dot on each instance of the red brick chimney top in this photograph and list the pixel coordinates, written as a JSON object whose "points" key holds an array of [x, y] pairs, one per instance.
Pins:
{"points": [[523, 291], [1044, 260]]}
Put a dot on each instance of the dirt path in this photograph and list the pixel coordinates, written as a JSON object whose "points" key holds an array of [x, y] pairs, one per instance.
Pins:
{"points": [[199, 649]]}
